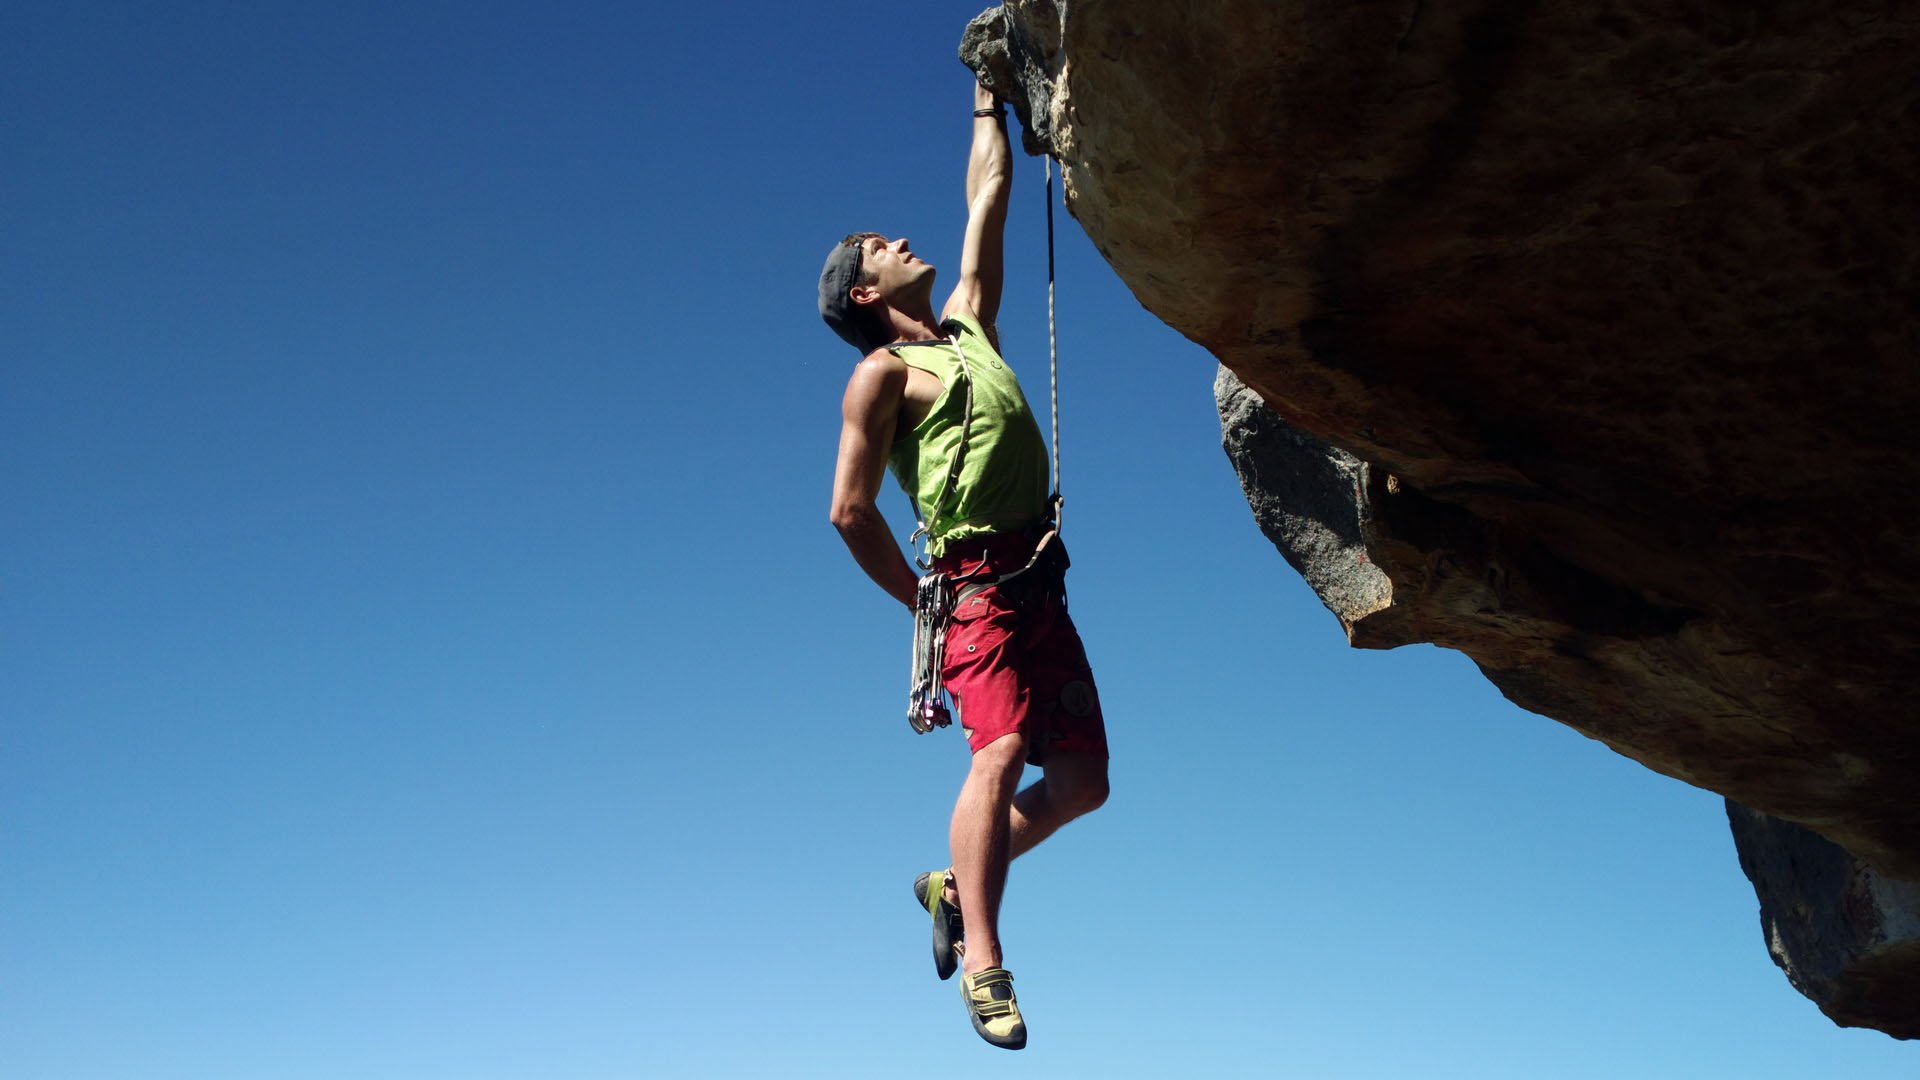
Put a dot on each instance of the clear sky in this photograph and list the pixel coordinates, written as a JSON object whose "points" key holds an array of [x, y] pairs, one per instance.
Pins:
{"points": [[423, 651]]}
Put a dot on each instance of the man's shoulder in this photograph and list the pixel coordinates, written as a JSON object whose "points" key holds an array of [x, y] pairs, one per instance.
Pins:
{"points": [[966, 321], [881, 359], [877, 374], [970, 329]]}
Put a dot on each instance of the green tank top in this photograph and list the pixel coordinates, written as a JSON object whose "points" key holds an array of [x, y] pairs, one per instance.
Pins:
{"points": [[1002, 481]]}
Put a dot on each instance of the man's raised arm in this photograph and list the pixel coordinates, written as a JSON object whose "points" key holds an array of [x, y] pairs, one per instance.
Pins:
{"points": [[989, 176]]}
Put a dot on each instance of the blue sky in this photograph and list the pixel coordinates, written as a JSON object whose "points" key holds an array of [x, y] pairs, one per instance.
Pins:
{"points": [[425, 653]]}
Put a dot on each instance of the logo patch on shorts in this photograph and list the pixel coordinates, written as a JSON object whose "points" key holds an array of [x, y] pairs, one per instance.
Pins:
{"points": [[1077, 697]]}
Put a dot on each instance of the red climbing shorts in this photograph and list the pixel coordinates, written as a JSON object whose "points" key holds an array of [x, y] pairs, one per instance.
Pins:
{"points": [[1014, 662]]}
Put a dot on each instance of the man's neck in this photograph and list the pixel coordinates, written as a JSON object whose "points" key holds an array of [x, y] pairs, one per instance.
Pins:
{"points": [[915, 325]]}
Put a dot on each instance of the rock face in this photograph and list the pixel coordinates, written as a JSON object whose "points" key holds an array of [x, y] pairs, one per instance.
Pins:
{"points": [[1846, 935], [1308, 497], [1610, 310]]}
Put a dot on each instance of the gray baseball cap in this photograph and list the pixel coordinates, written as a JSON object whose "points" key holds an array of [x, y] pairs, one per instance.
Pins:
{"points": [[836, 307]]}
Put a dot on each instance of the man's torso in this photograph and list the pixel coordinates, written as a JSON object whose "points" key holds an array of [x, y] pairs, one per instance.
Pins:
{"points": [[962, 401], [923, 389]]}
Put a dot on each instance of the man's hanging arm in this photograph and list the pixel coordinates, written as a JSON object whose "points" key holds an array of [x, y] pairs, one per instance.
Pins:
{"points": [[989, 178], [868, 415]]}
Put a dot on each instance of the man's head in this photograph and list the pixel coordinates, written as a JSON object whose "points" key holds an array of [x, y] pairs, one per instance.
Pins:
{"points": [[865, 276]]}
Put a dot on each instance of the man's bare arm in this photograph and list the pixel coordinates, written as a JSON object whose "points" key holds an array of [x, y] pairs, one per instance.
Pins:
{"points": [[868, 414], [989, 178]]}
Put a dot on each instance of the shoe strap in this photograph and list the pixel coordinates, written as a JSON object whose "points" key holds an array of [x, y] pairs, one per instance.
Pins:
{"points": [[979, 993], [936, 885]]}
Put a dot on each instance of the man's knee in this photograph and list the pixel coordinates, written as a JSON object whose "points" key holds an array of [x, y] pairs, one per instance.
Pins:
{"points": [[1079, 791], [1006, 754], [1090, 795]]}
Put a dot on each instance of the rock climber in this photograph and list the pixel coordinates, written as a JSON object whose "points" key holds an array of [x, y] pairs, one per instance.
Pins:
{"points": [[933, 399]]}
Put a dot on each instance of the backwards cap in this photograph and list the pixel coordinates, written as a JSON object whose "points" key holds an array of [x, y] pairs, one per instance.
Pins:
{"points": [[844, 316]]}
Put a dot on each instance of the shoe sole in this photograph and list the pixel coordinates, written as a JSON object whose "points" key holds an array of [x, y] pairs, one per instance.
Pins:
{"points": [[946, 958]]}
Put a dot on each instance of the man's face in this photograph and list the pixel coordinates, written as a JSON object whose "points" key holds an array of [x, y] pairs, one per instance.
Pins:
{"points": [[893, 268]]}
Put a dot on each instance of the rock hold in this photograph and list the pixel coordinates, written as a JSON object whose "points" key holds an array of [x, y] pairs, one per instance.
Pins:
{"points": [[1012, 54]]}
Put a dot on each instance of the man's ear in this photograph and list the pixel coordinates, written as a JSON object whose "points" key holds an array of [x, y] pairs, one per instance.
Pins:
{"points": [[864, 294]]}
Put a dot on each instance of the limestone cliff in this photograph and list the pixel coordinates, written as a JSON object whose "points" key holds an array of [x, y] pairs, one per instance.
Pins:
{"points": [[1602, 317]]}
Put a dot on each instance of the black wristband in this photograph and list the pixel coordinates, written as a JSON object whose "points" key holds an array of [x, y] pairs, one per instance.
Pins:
{"points": [[993, 112]]}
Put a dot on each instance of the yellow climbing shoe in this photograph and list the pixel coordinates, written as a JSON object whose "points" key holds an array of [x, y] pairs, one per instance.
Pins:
{"points": [[928, 889], [992, 1008]]}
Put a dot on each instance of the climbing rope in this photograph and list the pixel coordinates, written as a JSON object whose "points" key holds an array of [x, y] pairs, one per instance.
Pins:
{"points": [[1053, 349]]}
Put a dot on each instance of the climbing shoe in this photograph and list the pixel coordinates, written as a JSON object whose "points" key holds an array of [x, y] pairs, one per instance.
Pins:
{"points": [[929, 888], [991, 1007]]}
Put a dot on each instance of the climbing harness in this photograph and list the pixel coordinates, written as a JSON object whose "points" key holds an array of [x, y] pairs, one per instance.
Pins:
{"points": [[929, 705]]}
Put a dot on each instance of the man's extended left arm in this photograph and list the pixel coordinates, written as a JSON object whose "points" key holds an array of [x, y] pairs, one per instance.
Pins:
{"points": [[989, 177]]}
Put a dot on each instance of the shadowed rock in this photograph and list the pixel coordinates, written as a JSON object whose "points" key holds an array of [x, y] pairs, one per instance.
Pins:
{"points": [[1846, 935], [1308, 497]]}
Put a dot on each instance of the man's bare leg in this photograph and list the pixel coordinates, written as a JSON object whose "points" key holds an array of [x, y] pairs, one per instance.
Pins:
{"points": [[980, 835], [1073, 785]]}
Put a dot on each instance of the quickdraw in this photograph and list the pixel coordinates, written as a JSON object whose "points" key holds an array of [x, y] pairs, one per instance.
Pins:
{"points": [[928, 704]]}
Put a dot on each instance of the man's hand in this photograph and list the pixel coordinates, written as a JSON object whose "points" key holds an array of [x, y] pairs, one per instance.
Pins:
{"points": [[868, 415], [989, 178]]}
